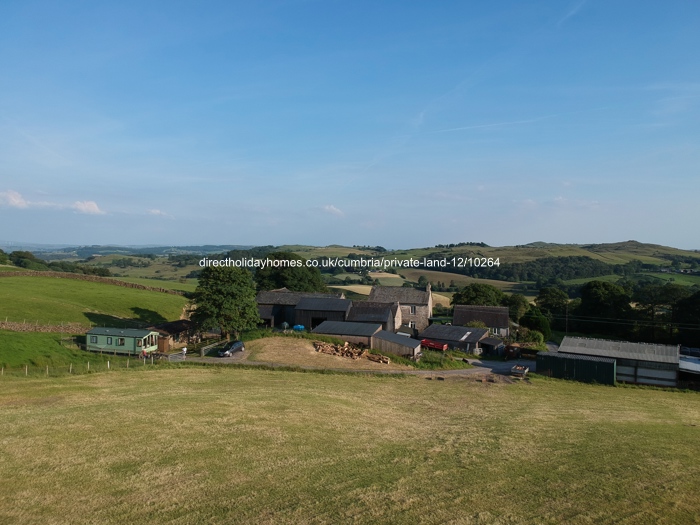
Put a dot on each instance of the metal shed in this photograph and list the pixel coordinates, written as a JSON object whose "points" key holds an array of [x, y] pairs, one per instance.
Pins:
{"points": [[642, 363], [396, 344], [459, 337], [582, 368], [358, 333]]}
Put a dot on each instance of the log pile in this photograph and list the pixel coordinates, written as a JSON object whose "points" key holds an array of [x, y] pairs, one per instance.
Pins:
{"points": [[346, 350], [379, 358]]}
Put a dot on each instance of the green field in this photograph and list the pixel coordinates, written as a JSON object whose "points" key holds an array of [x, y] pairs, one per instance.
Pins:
{"points": [[677, 278], [51, 300], [39, 349], [189, 285], [215, 445]]}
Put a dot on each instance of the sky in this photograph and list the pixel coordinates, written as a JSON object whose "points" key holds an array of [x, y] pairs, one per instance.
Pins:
{"points": [[392, 123]]}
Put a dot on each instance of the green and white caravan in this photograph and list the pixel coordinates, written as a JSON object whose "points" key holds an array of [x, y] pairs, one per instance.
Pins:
{"points": [[127, 341]]}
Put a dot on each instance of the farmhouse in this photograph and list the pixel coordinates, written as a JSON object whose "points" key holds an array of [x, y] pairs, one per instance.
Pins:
{"points": [[400, 345], [416, 305], [387, 314], [312, 311], [643, 363], [128, 341], [358, 333], [495, 318], [279, 306], [459, 337]]}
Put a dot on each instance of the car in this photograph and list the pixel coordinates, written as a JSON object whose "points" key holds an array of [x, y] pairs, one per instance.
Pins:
{"points": [[230, 348]]}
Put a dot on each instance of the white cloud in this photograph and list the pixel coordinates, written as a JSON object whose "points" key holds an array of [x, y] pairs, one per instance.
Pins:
{"points": [[329, 208], [160, 213], [87, 207], [13, 199]]}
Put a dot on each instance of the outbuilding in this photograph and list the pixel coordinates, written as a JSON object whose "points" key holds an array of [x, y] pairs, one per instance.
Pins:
{"points": [[312, 311], [357, 333], [460, 337], [400, 345], [642, 363], [125, 341], [584, 368]]}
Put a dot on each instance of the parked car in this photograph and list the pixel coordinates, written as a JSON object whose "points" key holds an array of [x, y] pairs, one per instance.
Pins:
{"points": [[231, 348]]}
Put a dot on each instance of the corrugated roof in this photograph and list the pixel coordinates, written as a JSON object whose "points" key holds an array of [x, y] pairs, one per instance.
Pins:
{"points": [[345, 328], [120, 332], [689, 364], [491, 316], [460, 334], [577, 357], [287, 298], [399, 294], [366, 311], [397, 339], [620, 349], [324, 304], [491, 341]]}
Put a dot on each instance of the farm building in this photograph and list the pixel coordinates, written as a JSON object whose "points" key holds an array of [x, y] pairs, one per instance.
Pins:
{"points": [[458, 337], [392, 343], [495, 318], [279, 306], [492, 346], [387, 314], [128, 341], [585, 368], [312, 311], [175, 334], [416, 305], [643, 363], [358, 333]]}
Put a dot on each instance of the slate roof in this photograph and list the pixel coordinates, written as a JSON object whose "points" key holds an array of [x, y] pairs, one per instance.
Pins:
{"points": [[285, 297], [266, 310], [399, 294], [620, 349], [371, 312], [120, 332], [397, 339], [459, 334], [324, 304], [577, 357], [345, 328], [491, 316], [491, 341]]}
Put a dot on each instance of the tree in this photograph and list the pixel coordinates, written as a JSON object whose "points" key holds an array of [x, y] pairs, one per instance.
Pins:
{"points": [[479, 294], [288, 270], [422, 281], [605, 301], [517, 306], [225, 299], [552, 301], [534, 320]]}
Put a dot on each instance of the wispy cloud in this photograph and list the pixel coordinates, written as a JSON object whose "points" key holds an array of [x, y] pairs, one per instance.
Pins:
{"points": [[14, 199], [329, 208], [497, 124], [572, 12], [87, 207], [160, 213]]}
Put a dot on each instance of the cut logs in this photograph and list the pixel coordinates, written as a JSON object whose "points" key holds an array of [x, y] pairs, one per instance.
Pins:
{"points": [[379, 358], [346, 350]]}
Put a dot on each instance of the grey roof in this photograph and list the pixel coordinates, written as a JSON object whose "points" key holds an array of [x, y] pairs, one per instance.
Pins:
{"points": [[689, 364], [120, 332], [266, 310], [399, 294], [491, 316], [370, 312], [459, 334], [397, 339], [620, 349], [324, 304], [345, 328], [561, 355], [491, 341], [289, 298]]}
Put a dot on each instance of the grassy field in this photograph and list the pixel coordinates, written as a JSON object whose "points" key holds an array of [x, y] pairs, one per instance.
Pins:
{"points": [[40, 349], [52, 301], [216, 445], [188, 286], [677, 278]]}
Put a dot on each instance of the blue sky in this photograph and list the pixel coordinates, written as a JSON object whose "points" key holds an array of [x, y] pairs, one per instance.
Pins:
{"points": [[396, 123]]}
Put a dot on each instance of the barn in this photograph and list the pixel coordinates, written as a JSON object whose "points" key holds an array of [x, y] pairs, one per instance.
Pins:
{"points": [[400, 345], [494, 317], [387, 314], [459, 337], [312, 311], [642, 363], [357, 333], [584, 368], [276, 307]]}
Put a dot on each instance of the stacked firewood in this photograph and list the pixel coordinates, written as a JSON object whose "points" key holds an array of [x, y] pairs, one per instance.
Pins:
{"points": [[379, 358], [346, 350]]}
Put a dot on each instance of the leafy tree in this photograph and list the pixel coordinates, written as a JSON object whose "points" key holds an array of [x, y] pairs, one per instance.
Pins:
{"points": [[688, 314], [292, 274], [535, 320], [4, 259], [606, 301], [479, 294], [225, 299], [422, 281], [517, 306], [552, 301]]}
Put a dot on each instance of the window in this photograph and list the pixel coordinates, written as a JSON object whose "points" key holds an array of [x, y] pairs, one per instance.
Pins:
{"points": [[411, 324], [93, 338], [413, 309], [109, 341], [120, 341], [139, 342]]}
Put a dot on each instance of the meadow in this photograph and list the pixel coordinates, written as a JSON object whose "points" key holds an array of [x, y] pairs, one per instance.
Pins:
{"points": [[48, 300], [207, 445]]}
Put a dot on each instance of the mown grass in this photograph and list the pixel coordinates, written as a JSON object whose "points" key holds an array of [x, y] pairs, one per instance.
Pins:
{"points": [[41, 349], [51, 300], [214, 445]]}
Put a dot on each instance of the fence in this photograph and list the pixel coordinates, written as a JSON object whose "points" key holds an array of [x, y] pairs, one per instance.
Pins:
{"points": [[88, 367]]}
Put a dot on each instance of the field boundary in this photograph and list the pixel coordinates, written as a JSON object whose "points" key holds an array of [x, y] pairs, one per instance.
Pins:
{"points": [[91, 278]]}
